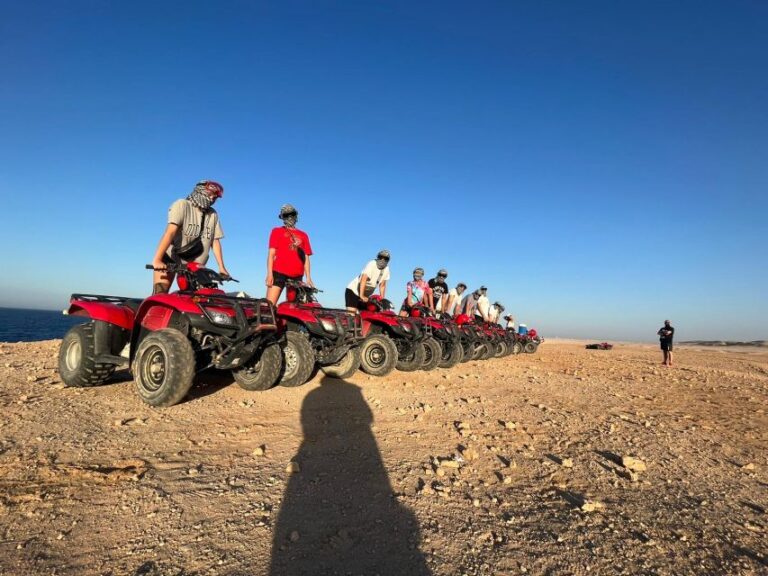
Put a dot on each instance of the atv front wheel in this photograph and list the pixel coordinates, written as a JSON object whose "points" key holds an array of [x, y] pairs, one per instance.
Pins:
{"points": [[77, 359], [530, 347], [500, 349], [433, 353], [378, 355], [164, 367], [411, 360], [345, 367], [517, 347], [262, 371], [298, 360], [452, 355]]}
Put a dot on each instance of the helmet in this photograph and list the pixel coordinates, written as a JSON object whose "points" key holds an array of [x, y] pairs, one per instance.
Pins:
{"points": [[287, 210], [461, 285], [483, 289], [442, 272], [383, 254], [211, 186]]}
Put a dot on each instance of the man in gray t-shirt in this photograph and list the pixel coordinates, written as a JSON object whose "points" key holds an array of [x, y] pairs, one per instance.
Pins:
{"points": [[185, 219]]}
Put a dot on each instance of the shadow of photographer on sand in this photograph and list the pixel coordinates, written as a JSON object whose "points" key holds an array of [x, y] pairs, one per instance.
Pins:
{"points": [[338, 514]]}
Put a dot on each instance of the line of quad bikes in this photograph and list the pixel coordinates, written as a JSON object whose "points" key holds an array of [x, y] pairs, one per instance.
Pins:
{"points": [[166, 339]]}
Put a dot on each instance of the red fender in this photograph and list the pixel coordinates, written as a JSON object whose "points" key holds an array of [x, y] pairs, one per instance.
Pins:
{"points": [[290, 311], [112, 313]]}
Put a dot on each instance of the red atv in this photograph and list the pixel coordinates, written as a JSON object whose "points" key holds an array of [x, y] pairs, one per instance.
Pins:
{"points": [[443, 342], [329, 337], [530, 341], [167, 338], [381, 326], [474, 340]]}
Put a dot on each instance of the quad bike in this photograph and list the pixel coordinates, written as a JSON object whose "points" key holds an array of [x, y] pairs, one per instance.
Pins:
{"points": [[473, 340], [382, 327], [328, 337], [168, 338], [445, 333], [531, 341], [517, 341], [428, 325]]}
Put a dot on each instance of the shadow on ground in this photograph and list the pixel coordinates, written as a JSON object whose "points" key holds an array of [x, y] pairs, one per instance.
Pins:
{"points": [[338, 514]]}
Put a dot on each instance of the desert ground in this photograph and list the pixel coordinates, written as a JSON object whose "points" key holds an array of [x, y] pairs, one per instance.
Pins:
{"points": [[568, 461]]}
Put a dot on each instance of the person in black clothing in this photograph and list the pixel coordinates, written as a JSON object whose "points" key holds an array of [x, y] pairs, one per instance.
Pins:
{"points": [[439, 288], [666, 333]]}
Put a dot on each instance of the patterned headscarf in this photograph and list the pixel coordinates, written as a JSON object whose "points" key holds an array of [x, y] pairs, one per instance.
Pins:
{"points": [[199, 196], [289, 215]]}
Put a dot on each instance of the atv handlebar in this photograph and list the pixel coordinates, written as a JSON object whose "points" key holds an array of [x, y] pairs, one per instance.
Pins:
{"points": [[300, 285], [184, 269]]}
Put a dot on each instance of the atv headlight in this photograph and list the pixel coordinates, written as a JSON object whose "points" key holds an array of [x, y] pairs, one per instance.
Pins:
{"points": [[328, 325], [218, 317]]}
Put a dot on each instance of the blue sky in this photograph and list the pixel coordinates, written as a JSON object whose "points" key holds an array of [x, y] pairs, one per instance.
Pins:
{"points": [[600, 166]]}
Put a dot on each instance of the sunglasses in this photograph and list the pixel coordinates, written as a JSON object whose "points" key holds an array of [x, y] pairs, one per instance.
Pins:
{"points": [[442, 275], [289, 215]]}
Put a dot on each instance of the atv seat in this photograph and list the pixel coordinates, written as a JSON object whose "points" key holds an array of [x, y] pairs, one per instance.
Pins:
{"points": [[133, 303]]}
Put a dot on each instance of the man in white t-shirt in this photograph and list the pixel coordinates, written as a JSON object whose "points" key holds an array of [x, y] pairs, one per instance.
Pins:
{"points": [[510, 322], [454, 298], [495, 312], [374, 275], [483, 306]]}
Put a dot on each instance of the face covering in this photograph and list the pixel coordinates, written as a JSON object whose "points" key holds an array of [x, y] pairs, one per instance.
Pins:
{"points": [[199, 198], [290, 221], [381, 263]]}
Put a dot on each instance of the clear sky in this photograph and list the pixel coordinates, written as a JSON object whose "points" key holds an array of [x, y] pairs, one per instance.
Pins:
{"points": [[600, 166]]}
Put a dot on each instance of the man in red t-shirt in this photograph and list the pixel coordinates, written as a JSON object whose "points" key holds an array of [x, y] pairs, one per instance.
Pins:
{"points": [[288, 256]]}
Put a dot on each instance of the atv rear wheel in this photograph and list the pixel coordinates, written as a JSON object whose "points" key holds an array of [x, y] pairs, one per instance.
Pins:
{"points": [[345, 367], [411, 360], [517, 347], [501, 349], [452, 355], [164, 367], [298, 360], [77, 359], [530, 347], [378, 355], [262, 371], [433, 353]]}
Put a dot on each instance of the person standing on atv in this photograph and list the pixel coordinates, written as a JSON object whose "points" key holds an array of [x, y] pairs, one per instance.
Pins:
{"points": [[510, 322], [469, 304], [288, 254], [439, 288], [418, 292], [495, 312], [193, 229], [454, 298], [483, 306], [666, 333], [374, 275]]}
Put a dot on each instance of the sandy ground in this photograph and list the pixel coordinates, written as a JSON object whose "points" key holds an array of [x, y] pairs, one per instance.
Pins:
{"points": [[506, 466]]}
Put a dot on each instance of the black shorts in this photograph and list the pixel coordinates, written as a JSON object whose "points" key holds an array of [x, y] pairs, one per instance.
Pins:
{"points": [[666, 346], [278, 279], [352, 300]]}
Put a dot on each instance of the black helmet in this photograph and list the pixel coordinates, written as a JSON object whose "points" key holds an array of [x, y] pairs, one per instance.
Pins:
{"points": [[442, 272], [383, 254]]}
